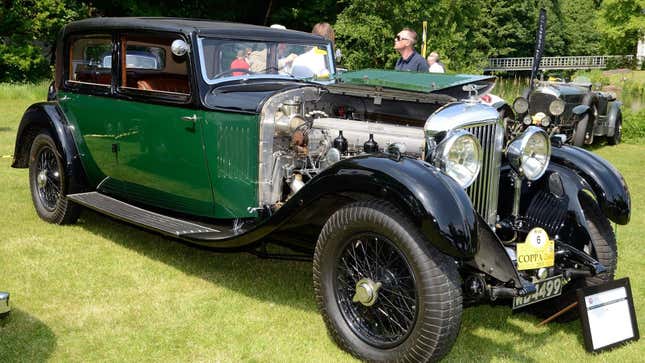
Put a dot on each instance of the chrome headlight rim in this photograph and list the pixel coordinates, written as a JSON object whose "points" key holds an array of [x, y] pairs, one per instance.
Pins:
{"points": [[441, 153], [520, 105], [516, 149], [556, 107]]}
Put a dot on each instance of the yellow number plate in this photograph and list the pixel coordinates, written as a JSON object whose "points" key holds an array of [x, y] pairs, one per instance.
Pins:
{"points": [[537, 251]]}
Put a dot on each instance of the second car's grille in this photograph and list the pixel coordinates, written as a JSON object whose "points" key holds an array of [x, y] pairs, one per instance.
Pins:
{"points": [[484, 191], [539, 102]]}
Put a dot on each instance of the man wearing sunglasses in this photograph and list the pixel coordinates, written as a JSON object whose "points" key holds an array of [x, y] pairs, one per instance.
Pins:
{"points": [[410, 60]]}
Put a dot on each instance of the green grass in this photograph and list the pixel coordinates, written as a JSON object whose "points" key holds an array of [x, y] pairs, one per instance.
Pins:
{"points": [[102, 290]]}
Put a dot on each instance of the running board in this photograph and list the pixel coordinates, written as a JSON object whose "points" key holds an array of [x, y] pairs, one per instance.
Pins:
{"points": [[150, 220]]}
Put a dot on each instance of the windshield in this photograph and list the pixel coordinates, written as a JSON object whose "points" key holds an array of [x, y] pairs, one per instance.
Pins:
{"points": [[223, 59]]}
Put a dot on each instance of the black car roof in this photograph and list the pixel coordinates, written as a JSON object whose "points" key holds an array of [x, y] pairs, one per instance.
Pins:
{"points": [[187, 26]]}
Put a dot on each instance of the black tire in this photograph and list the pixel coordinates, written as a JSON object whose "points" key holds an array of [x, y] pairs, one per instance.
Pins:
{"points": [[48, 183], [603, 249], [412, 264], [580, 132], [618, 130]]}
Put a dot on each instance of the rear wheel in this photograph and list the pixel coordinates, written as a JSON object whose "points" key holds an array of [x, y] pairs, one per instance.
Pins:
{"points": [[384, 293], [603, 249], [618, 131], [47, 181]]}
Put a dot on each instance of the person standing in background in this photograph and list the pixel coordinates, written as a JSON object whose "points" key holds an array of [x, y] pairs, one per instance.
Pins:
{"points": [[410, 60], [314, 62], [434, 65]]}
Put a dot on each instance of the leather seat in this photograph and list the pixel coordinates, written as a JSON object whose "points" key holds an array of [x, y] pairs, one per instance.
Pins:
{"points": [[163, 84]]}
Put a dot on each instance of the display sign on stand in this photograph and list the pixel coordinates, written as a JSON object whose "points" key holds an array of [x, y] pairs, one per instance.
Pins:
{"points": [[607, 315]]}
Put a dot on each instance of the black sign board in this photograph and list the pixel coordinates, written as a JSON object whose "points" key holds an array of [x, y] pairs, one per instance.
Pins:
{"points": [[607, 315]]}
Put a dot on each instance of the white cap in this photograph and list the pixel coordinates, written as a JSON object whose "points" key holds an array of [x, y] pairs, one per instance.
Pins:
{"points": [[278, 26]]}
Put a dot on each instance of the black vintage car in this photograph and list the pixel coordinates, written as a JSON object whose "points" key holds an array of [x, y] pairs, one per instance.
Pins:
{"points": [[571, 109], [410, 203]]}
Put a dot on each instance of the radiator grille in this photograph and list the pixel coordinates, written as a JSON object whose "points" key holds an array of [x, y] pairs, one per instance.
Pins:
{"points": [[484, 191], [539, 102]]}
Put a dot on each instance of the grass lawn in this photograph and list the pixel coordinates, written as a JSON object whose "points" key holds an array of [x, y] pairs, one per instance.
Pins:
{"points": [[102, 290]]}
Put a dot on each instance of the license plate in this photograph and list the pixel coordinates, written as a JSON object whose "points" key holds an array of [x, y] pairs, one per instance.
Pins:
{"points": [[545, 289]]}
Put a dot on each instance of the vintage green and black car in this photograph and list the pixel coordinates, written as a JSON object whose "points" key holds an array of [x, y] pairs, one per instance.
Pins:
{"points": [[572, 110], [410, 204]]}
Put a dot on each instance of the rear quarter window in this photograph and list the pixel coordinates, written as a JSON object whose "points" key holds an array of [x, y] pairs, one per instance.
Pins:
{"points": [[86, 60]]}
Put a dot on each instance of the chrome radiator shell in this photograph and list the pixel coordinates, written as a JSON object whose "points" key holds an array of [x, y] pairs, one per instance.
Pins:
{"points": [[484, 192], [484, 122]]}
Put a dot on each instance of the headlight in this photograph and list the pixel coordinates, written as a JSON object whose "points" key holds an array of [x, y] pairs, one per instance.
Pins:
{"points": [[520, 105], [546, 121], [527, 120], [556, 108], [460, 156], [530, 152]]}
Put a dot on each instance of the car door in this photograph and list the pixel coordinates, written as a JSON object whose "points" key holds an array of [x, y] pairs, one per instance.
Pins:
{"points": [[86, 100], [158, 138]]}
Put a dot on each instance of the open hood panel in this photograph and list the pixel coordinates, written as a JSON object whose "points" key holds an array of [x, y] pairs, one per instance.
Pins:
{"points": [[428, 83]]}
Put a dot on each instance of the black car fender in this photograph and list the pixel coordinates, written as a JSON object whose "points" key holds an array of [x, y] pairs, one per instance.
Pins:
{"points": [[613, 112], [48, 116], [581, 110], [607, 184], [434, 202]]}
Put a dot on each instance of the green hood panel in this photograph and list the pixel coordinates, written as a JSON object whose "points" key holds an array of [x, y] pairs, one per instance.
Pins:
{"points": [[412, 81]]}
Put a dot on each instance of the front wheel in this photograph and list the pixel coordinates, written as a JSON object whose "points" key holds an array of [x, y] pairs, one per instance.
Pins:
{"points": [[384, 293], [618, 131], [580, 134], [47, 181]]}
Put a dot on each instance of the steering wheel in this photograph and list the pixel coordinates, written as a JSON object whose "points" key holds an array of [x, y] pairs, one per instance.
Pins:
{"points": [[233, 70]]}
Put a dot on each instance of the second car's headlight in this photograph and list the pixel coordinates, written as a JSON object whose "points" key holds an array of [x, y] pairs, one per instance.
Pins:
{"points": [[460, 156], [520, 105], [530, 152], [556, 108]]}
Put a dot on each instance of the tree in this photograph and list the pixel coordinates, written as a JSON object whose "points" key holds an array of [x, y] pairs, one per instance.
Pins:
{"points": [[621, 23], [28, 30], [365, 30], [580, 29]]}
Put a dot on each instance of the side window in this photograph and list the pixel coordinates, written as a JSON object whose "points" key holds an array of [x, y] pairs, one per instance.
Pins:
{"points": [[147, 64], [87, 57]]}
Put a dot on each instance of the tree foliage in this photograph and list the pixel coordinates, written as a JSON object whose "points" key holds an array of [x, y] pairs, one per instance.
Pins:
{"points": [[464, 32], [28, 29], [621, 24]]}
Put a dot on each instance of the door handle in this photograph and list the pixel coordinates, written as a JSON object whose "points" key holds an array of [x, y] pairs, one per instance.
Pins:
{"points": [[192, 118]]}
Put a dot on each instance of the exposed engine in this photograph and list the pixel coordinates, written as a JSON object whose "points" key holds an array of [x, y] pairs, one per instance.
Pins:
{"points": [[301, 135]]}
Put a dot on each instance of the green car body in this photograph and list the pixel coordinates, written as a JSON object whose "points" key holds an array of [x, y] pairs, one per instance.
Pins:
{"points": [[207, 168]]}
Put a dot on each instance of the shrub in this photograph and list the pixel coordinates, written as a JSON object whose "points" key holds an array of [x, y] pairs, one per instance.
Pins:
{"points": [[633, 126]]}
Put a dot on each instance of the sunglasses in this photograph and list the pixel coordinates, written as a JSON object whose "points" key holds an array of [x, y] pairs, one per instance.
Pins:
{"points": [[398, 38]]}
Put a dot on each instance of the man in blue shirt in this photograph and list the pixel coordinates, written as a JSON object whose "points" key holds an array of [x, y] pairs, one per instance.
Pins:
{"points": [[410, 60]]}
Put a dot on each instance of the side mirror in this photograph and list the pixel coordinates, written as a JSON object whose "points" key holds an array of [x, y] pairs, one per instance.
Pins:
{"points": [[179, 47]]}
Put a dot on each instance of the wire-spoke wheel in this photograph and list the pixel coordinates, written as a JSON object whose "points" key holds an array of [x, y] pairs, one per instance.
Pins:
{"points": [[376, 290], [384, 292], [47, 182]]}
